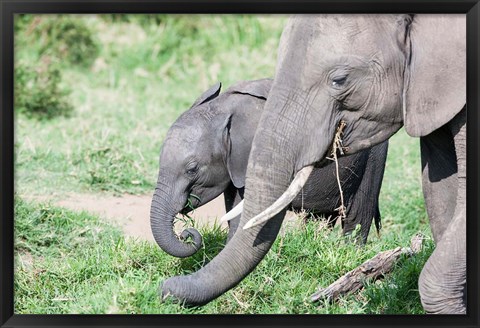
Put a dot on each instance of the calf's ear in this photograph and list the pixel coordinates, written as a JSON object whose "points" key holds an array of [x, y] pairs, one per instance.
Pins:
{"points": [[237, 148], [208, 95], [256, 88]]}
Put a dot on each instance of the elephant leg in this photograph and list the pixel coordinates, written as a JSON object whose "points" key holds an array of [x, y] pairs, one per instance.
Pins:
{"points": [[439, 179], [363, 206], [442, 282], [232, 196]]}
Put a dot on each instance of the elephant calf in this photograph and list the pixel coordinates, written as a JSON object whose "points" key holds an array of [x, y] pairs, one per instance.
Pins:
{"points": [[206, 151]]}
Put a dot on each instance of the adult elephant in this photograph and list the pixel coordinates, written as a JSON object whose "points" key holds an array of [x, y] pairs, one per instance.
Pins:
{"points": [[376, 73], [206, 153]]}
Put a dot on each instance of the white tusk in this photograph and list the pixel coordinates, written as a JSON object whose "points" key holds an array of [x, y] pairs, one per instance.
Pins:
{"points": [[297, 184], [234, 212]]}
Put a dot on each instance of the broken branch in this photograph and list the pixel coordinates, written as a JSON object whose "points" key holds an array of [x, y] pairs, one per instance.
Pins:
{"points": [[373, 269]]}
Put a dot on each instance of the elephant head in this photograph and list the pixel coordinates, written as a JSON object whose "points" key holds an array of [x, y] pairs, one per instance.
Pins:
{"points": [[373, 72], [205, 150]]}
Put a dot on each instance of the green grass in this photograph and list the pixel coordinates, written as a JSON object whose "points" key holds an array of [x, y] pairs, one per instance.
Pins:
{"points": [[147, 72], [72, 262]]}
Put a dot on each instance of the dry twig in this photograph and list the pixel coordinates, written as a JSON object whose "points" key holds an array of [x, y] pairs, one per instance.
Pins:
{"points": [[338, 146]]}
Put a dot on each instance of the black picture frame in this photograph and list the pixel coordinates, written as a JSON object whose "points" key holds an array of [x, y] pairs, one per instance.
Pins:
{"points": [[7, 10]]}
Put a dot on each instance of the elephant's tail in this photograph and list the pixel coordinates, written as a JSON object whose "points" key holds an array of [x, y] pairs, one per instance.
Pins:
{"points": [[378, 220]]}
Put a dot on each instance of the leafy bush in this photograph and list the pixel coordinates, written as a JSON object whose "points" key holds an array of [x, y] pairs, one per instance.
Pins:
{"points": [[43, 45], [65, 37], [71, 39], [38, 91]]}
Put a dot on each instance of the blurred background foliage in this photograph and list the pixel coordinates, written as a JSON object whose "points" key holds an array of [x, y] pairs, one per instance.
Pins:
{"points": [[109, 86]]}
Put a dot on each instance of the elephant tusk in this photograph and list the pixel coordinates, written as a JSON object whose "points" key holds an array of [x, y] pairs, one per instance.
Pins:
{"points": [[297, 184], [233, 213]]}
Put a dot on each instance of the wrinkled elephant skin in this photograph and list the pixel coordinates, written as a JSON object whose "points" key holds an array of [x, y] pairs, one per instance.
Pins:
{"points": [[376, 73]]}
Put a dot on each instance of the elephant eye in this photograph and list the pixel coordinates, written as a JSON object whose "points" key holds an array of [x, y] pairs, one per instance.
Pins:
{"points": [[339, 81], [192, 171]]}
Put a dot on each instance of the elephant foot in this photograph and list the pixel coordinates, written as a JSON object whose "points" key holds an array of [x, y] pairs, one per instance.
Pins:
{"points": [[442, 282], [439, 296]]}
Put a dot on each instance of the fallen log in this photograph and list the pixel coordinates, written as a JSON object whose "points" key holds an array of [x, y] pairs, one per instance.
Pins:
{"points": [[371, 269]]}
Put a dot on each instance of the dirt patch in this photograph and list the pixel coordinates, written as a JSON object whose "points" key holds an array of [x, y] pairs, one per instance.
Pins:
{"points": [[132, 212]]}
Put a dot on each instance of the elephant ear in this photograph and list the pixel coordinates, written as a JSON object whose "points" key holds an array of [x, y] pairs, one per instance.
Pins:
{"points": [[257, 88], [435, 76], [239, 128], [208, 95], [237, 148]]}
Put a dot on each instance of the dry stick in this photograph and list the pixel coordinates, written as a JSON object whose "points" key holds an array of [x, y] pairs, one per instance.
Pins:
{"points": [[242, 305], [374, 268], [338, 145]]}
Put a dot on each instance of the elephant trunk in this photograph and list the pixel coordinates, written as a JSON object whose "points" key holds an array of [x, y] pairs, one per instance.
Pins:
{"points": [[272, 165], [240, 256], [162, 215]]}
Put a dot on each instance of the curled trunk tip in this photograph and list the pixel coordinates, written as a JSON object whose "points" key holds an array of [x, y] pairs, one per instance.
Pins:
{"points": [[162, 225]]}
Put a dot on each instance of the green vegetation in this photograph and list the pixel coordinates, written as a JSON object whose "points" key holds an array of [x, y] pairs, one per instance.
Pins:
{"points": [[38, 90], [69, 262], [44, 45], [64, 37], [104, 136]]}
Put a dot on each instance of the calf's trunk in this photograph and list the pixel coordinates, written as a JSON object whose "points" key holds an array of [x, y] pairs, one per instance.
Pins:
{"points": [[166, 204]]}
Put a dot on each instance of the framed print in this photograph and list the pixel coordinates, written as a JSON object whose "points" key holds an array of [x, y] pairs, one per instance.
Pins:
{"points": [[255, 163]]}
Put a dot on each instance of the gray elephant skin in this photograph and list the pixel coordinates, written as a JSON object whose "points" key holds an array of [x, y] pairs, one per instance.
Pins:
{"points": [[377, 73], [206, 151]]}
